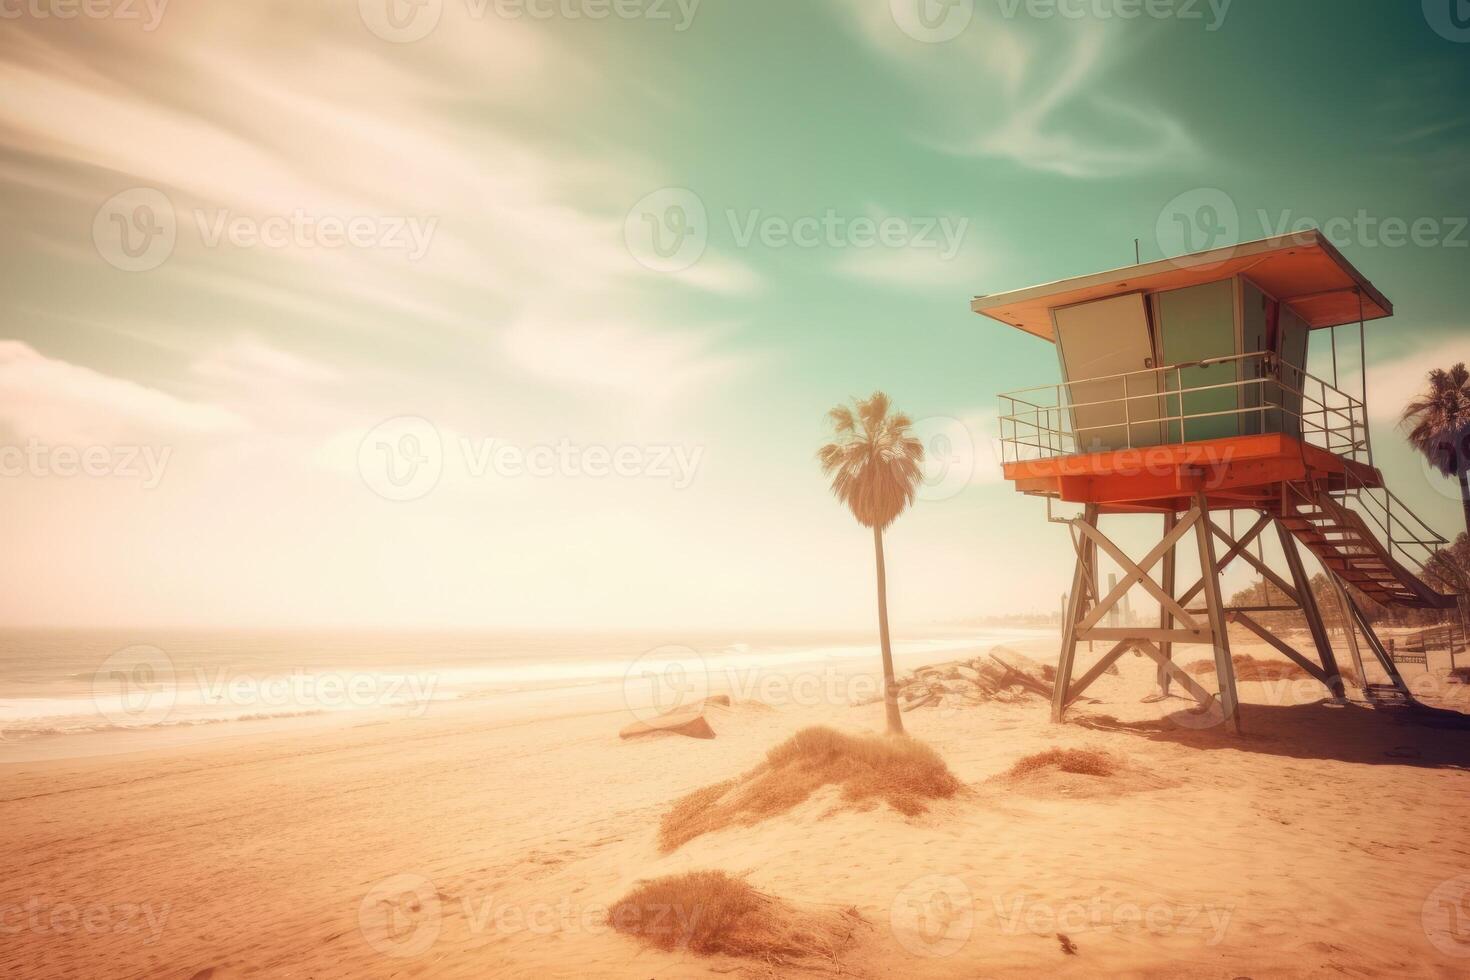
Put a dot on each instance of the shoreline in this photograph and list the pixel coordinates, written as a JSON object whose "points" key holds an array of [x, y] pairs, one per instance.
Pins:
{"points": [[86, 729]]}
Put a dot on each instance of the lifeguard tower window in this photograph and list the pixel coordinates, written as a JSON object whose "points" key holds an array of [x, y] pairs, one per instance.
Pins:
{"points": [[1197, 324]]}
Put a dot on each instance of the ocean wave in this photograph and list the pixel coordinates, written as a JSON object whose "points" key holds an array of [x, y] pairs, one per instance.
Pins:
{"points": [[27, 731]]}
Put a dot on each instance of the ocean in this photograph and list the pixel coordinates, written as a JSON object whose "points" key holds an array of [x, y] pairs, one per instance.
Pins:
{"points": [[57, 684]]}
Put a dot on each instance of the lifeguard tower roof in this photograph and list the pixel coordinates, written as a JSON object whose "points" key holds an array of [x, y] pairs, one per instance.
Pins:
{"points": [[1303, 270]]}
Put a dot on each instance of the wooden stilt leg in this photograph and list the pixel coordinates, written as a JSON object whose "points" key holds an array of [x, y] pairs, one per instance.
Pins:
{"points": [[1076, 605], [1384, 660], [1345, 609], [1092, 595], [1219, 630], [1166, 618], [1308, 603]]}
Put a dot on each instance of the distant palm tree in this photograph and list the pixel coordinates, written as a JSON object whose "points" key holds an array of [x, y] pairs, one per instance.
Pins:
{"points": [[1440, 426], [874, 468]]}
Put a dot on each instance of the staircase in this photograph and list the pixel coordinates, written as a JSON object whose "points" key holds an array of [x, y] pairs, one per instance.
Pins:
{"points": [[1346, 545]]}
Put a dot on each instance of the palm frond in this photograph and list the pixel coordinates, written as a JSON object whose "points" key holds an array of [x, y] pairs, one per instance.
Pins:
{"points": [[842, 420], [1438, 419], [874, 465]]}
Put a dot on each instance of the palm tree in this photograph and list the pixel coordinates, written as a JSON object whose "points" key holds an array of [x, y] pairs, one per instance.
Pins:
{"points": [[1440, 426], [874, 468]]}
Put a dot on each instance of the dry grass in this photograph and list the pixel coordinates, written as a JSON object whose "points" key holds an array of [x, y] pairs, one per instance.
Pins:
{"points": [[1248, 668], [895, 769], [711, 913], [1084, 762]]}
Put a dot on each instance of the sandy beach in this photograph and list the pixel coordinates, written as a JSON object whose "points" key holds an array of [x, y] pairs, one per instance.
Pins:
{"points": [[460, 844]]}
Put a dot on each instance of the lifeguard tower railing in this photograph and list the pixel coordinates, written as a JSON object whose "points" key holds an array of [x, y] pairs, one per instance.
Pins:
{"points": [[1162, 406], [1155, 407]]}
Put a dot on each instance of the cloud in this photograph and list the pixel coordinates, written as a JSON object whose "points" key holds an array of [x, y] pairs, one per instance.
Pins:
{"points": [[348, 127], [1392, 384], [605, 354], [53, 401], [716, 274], [1036, 99], [907, 267], [246, 360]]}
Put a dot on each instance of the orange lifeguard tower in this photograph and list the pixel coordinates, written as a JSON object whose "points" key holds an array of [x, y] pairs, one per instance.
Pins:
{"points": [[1184, 393]]}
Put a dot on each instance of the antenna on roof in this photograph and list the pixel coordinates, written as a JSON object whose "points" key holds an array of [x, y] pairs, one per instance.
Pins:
{"points": [[1137, 256]]}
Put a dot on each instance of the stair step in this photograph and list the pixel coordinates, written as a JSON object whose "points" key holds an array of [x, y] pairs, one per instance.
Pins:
{"points": [[1387, 695], [1350, 549]]}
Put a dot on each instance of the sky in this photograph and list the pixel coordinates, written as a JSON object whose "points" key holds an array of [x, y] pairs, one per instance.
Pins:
{"points": [[527, 313]]}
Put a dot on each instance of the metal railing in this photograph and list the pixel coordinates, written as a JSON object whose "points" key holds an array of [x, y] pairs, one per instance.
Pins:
{"points": [[1166, 405], [1406, 538], [1411, 542]]}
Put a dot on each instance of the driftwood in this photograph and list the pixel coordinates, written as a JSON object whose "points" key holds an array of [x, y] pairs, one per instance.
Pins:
{"points": [[1025, 680], [692, 724], [975, 681]]}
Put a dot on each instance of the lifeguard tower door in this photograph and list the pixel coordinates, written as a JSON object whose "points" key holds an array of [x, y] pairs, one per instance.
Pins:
{"points": [[1103, 345]]}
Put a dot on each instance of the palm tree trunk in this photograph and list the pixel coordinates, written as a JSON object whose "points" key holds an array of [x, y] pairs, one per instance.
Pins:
{"points": [[890, 688]]}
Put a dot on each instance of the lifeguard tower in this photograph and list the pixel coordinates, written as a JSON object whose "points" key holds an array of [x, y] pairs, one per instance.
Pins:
{"points": [[1185, 394]]}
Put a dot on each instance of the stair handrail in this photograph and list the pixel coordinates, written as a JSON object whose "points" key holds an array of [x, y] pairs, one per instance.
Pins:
{"points": [[1431, 545]]}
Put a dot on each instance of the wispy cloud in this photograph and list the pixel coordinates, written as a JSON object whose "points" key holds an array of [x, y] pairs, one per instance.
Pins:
{"points": [[1037, 99], [347, 126], [603, 353], [54, 401], [247, 360]]}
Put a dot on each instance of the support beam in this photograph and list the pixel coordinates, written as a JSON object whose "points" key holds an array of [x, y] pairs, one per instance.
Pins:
{"points": [[1285, 648], [1139, 573], [1236, 548], [1205, 698], [1075, 604], [1098, 669], [1110, 633], [1311, 611], [1385, 661], [1166, 621], [1224, 666], [1258, 609], [1270, 575], [1346, 610]]}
